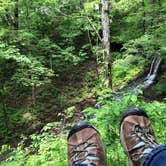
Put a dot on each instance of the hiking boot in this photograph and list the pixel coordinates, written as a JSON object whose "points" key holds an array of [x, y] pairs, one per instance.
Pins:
{"points": [[137, 136], [85, 146]]}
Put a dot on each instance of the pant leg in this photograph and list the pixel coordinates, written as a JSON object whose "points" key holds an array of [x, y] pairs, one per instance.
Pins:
{"points": [[157, 157]]}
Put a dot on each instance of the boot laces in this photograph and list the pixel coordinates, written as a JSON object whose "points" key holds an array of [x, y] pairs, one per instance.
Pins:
{"points": [[147, 141], [82, 154]]}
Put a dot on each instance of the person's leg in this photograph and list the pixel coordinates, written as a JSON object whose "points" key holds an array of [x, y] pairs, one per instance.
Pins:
{"points": [[137, 136], [157, 157], [85, 146]]}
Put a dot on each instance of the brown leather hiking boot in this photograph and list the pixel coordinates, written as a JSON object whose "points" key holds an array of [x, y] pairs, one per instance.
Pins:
{"points": [[137, 136], [85, 146]]}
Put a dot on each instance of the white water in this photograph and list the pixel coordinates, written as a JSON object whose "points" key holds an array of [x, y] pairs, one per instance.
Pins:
{"points": [[150, 78], [142, 83]]}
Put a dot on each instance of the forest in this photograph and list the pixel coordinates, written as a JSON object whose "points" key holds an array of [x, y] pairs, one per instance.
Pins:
{"points": [[62, 62]]}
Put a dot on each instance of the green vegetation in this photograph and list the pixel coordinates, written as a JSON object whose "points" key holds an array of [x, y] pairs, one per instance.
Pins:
{"points": [[51, 68], [48, 149]]}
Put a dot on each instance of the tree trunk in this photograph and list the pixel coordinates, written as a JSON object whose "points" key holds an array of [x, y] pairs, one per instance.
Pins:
{"points": [[81, 4], [13, 20], [159, 12], [5, 117], [159, 3], [143, 18], [16, 16], [8, 17], [4, 108], [87, 32], [51, 64], [152, 12], [106, 43], [33, 95]]}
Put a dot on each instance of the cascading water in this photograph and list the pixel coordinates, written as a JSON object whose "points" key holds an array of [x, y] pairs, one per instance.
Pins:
{"points": [[149, 80], [142, 83]]}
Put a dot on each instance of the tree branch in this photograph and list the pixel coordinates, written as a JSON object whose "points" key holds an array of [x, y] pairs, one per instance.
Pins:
{"points": [[83, 17]]}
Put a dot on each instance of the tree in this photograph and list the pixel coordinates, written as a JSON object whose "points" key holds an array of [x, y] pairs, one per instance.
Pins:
{"points": [[16, 16], [143, 17], [106, 42]]}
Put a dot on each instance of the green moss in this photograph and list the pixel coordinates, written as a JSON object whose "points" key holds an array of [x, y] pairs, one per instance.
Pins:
{"points": [[125, 70]]}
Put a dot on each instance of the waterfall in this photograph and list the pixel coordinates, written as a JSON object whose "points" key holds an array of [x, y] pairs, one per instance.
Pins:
{"points": [[150, 78], [142, 83]]}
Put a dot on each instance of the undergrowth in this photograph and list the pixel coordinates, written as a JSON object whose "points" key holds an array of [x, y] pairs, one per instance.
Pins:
{"points": [[48, 149]]}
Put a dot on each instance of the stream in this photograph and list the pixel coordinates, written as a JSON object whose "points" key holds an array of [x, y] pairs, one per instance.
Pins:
{"points": [[144, 82]]}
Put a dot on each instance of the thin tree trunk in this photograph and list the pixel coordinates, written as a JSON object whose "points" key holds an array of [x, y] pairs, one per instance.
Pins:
{"points": [[51, 64], [16, 16], [13, 20], [159, 3], [8, 18], [87, 32], [5, 117], [33, 95], [26, 14], [4, 109], [106, 43], [152, 12], [159, 12], [82, 4], [143, 18], [90, 40]]}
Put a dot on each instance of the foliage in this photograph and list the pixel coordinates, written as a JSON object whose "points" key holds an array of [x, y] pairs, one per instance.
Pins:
{"points": [[142, 46], [107, 121], [160, 87], [48, 149], [128, 68], [43, 46], [30, 71], [45, 150]]}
